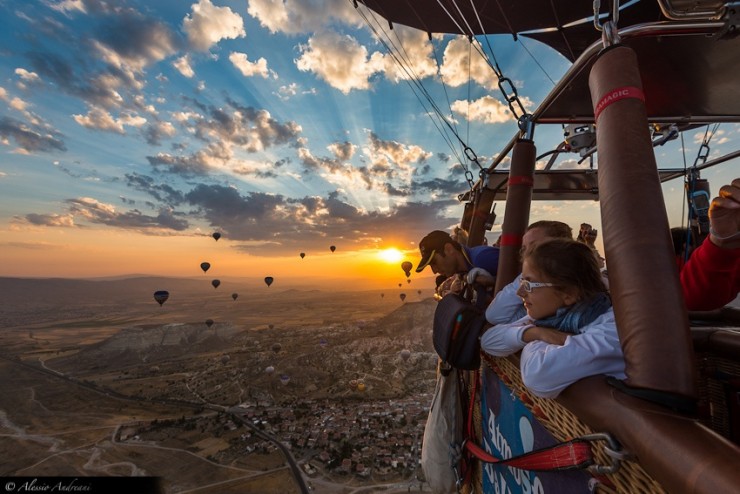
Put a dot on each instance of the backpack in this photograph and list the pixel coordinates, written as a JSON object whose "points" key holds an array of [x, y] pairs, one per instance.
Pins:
{"points": [[458, 325]]}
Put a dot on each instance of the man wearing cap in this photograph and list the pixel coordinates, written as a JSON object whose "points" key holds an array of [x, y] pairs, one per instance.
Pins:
{"points": [[448, 257]]}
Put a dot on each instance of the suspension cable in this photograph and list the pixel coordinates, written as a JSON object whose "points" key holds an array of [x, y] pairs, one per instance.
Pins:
{"points": [[413, 81]]}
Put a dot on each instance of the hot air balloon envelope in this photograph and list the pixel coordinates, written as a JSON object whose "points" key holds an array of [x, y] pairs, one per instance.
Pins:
{"points": [[216, 236], [276, 347], [323, 342], [215, 283], [284, 379], [333, 248], [268, 280], [205, 266], [209, 322], [402, 297], [360, 386], [234, 295], [269, 369], [270, 326], [406, 266], [161, 296], [405, 354], [303, 254]]}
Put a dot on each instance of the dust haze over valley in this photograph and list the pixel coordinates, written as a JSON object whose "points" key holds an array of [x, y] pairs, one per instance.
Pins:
{"points": [[99, 380]]}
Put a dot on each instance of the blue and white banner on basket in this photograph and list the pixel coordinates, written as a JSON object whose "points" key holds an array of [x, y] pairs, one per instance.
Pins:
{"points": [[510, 429]]}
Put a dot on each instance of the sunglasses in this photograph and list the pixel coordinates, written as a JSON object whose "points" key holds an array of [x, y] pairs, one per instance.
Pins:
{"points": [[531, 285]]}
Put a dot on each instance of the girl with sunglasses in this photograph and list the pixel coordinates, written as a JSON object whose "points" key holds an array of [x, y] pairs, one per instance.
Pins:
{"points": [[569, 331]]}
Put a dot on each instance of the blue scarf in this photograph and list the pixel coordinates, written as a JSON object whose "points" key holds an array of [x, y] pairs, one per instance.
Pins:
{"points": [[572, 318]]}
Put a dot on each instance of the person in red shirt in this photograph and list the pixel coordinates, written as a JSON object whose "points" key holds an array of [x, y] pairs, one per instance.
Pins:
{"points": [[710, 278]]}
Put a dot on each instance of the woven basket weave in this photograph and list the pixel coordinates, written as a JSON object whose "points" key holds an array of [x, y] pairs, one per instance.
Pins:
{"points": [[563, 425]]}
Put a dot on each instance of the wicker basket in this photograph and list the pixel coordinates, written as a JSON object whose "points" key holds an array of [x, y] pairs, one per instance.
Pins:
{"points": [[563, 425]]}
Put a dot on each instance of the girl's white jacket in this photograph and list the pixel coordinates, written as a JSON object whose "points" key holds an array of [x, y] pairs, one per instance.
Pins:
{"points": [[548, 369]]}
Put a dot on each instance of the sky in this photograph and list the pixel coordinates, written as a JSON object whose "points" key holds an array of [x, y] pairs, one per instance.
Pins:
{"points": [[130, 131]]}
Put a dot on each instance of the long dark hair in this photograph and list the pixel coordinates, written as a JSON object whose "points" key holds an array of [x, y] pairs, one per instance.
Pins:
{"points": [[568, 263]]}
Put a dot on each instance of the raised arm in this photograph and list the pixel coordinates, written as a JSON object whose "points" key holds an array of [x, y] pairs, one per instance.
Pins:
{"points": [[711, 277]]}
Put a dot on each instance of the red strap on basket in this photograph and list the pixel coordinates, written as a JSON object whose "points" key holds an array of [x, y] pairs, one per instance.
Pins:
{"points": [[570, 455]]}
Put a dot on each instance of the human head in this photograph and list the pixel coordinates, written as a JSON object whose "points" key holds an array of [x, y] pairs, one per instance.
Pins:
{"points": [[439, 251], [543, 230], [569, 265]]}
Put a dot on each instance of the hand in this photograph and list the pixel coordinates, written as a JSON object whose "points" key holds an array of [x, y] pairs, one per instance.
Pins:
{"points": [[548, 335], [475, 273], [724, 217]]}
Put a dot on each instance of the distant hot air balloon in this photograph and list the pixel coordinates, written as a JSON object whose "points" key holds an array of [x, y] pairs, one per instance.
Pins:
{"points": [[216, 236], [234, 295], [276, 347], [225, 359], [406, 266], [323, 342], [161, 296], [215, 283], [382, 295], [405, 354], [284, 379], [353, 383], [269, 369], [418, 291], [402, 297], [333, 248], [205, 266], [270, 326], [303, 254], [360, 386], [209, 322], [408, 281], [268, 280]]}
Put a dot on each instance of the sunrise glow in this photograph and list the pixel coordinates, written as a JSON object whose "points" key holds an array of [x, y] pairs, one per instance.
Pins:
{"points": [[390, 255]]}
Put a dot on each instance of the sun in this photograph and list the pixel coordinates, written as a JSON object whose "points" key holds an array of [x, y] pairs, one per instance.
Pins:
{"points": [[390, 255]]}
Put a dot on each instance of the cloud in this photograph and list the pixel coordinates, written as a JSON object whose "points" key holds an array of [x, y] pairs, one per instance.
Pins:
{"points": [[66, 6], [27, 139], [342, 150], [94, 211], [213, 156], [247, 127], [163, 193], [26, 76], [458, 66], [273, 224], [183, 66], [61, 220], [339, 60], [208, 24], [486, 109], [157, 131], [301, 16], [99, 119], [249, 69], [226, 132], [385, 153], [415, 51]]}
